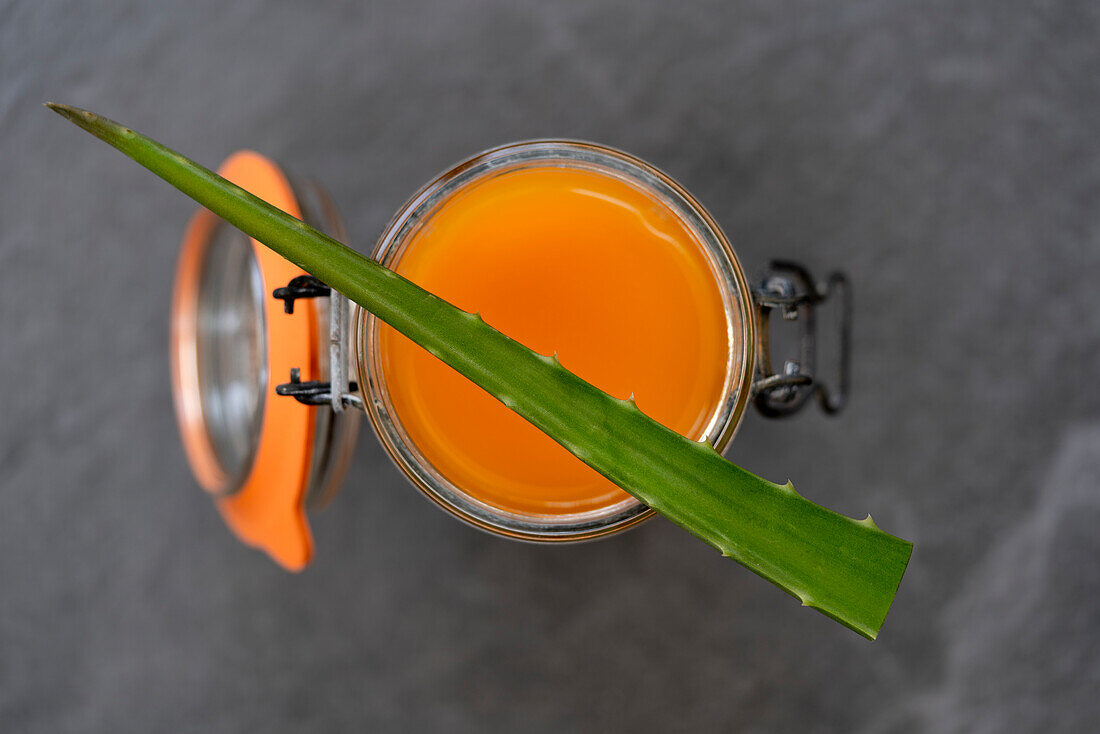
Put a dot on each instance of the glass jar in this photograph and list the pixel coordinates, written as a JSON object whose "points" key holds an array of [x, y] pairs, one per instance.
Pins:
{"points": [[269, 448], [418, 214]]}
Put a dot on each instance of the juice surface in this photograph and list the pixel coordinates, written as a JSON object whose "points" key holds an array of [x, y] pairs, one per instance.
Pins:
{"points": [[568, 261]]}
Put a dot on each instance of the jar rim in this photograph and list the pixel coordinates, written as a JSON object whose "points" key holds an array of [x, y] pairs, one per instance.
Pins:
{"points": [[737, 304]]}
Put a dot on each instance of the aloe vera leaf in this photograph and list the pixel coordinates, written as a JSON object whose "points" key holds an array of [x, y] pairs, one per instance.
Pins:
{"points": [[847, 569]]}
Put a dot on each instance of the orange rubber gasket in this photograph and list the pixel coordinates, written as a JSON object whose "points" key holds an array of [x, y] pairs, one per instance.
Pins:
{"points": [[268, 511]]}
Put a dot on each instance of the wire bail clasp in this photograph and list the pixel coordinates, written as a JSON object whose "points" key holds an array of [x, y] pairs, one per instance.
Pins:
{"points": [[339, 391], [787, 287]]}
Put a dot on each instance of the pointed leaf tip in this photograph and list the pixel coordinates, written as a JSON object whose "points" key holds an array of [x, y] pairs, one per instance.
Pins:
{"points": [[103, 128], [69, 111]]}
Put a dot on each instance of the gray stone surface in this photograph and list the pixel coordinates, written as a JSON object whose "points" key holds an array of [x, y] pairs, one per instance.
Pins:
{"points": [[943, 153]]}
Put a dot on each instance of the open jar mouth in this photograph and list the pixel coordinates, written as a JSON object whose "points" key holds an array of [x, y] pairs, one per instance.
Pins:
{"points": [[725, 269]]}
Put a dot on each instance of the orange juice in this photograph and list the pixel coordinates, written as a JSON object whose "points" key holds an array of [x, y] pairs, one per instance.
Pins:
{"points": [[565, 260]]}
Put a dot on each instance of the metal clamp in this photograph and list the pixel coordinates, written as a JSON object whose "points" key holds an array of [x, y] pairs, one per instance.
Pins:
{"points": [[339, 391], [304, 286], [315, 392], [789, 288]]}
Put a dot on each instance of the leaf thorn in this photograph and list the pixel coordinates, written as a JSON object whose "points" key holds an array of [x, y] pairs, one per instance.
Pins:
{"points": [[868, 522]]}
